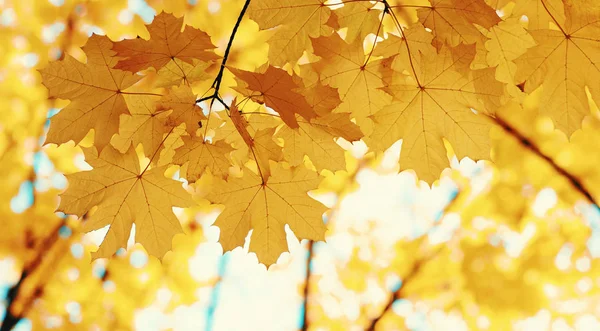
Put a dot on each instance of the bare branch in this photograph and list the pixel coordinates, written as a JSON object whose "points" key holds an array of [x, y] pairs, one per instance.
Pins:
{"points": [[529, 145], [217, 82], [307, 275]]}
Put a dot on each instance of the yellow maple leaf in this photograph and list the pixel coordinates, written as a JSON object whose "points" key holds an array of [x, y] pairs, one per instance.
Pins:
{"points": [[357, 78], [296, 21], [539, 12], [264, 149], [416, 35], [265, 208], [360, 18], [508, 40], [167, 42], [454, 21], [124, 195], [436, 101], [317, 140], [146, 125], [200, 155], [179, 72], [182, 101], [96, 92], [565, 62]]}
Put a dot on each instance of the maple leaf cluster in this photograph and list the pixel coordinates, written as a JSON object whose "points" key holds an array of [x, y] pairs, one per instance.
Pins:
{"points": [[337, 72]]}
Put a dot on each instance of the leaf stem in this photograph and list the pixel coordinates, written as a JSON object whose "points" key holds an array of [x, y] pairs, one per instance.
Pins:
{"points": [[217, 82], [388, 8], [376, 35]]}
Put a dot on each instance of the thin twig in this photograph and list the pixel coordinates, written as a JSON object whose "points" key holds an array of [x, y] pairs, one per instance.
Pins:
{"points": [[305, 321], [11, 319], [413, 272], [214, 296], [397, 294], [528, 144], [217, 82]]}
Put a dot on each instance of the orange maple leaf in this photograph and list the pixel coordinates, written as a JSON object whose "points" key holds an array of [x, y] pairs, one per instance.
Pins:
{"points": [[278, 90], [167, 42]]}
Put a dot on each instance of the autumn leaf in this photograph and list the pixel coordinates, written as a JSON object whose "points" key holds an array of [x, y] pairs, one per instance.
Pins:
{"points": [[265, 208], [179, 72], [264, 149], [278, 90], [240, 124], [565, 63], [124, 195], [436, 101], [182, 101], [317, 141], [507, 41], [539, 13], [145, 125], [416, 36], [358, 81], [455, 21], [509, 243], [167, 43], [361, 19], [95, 90], [200, 155], [296, 21]]}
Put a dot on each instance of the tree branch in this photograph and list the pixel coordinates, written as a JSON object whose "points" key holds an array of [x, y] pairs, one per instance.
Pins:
{"points": [[397, 294], [214, 296], [416, 268], [305, 321], [11, 319], [529, 145], [217, 82]]}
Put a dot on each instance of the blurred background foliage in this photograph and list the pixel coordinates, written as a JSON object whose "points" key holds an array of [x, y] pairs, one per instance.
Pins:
{"points": [[508, 245]]}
